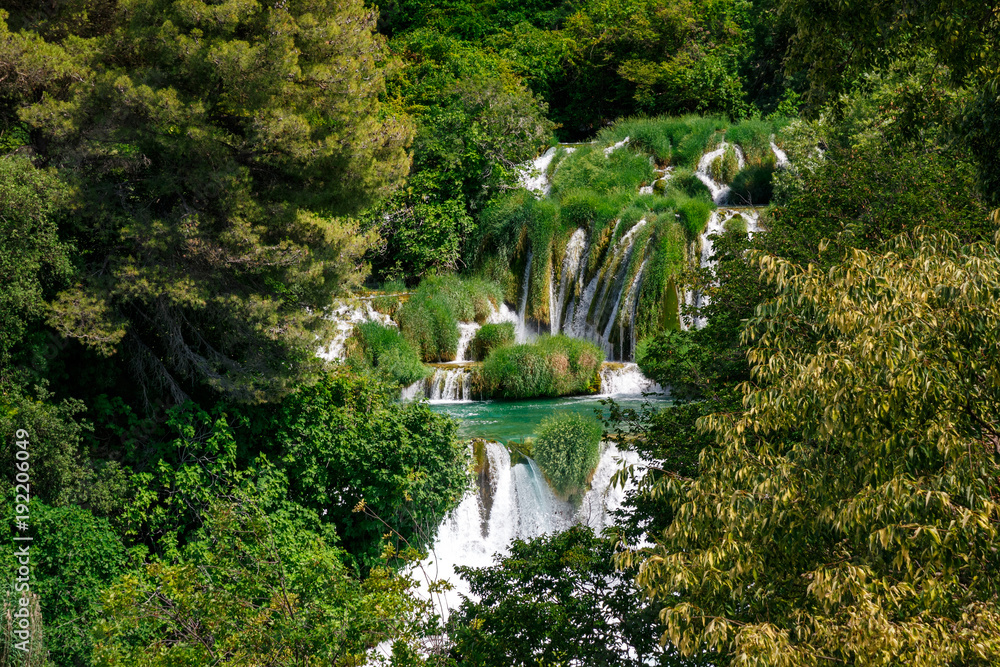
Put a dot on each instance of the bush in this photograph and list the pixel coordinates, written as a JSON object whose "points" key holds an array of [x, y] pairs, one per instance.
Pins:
{"points": [[552, 366], [429, 319], [490, 337], [725, 166], [567, 450], [753, 186], [684, 180], [694, 214], [386, 351]]}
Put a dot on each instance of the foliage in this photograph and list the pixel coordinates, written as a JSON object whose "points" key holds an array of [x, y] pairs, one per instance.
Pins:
{"points": [[567, 450], [75, 556], [241, 595], [724, 167], [861, 471], [551, 366], [475, 125], [32, 258], [369, 464], [490, 337], [429, 318], [385, 350], [214, 151], [555, 598], [61, 471], [863, 196], [752, 186]]}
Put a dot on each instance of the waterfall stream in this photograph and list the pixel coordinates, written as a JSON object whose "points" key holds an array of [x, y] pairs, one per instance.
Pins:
{"points": [[514, 502]]}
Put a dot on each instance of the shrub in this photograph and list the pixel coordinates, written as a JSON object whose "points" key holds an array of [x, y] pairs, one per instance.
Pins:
{"points": [[429, 319], [552, 366], [753, 186], [386, 351], [567, 450], [684, 180], [725, 166], [694, 214], [736, 225], [490, 337]]}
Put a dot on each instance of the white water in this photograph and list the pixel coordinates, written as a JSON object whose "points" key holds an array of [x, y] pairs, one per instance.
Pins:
{"points": [[466, 332], [780, 157], [522, 507], [535, 176], [449, 385], [611, 149], [625, 379], [720, 191], [579, 321], [568, 275], [347, 314]]}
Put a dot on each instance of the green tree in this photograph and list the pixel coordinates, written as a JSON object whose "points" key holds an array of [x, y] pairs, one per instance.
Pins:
{"points": [[32, 258], [367, 463], [215, 149], [848, 511], [241, 595], [556, 600]]}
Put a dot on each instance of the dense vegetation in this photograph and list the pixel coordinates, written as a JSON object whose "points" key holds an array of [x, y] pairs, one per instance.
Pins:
{"points": [[551, 366], [186, 187]]}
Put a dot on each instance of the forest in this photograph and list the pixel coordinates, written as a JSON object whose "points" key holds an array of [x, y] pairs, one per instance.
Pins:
{"points": [[473, 333]]}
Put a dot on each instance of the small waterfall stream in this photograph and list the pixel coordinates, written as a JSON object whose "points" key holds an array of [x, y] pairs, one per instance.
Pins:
{"points": [[514, 502]]}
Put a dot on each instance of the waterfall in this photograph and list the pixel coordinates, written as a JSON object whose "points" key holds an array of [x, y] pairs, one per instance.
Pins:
{"points": [[515, 502], [720, 191], [625, 379], [347, 314], [466, 332], [587, 313], [780, 157], [535, 177], [521, 329], [450, 385], [631, 307], [611, 149], [570, 265]]}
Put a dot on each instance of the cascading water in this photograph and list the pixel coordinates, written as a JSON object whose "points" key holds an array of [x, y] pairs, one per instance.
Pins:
{"points": [[514, 502], [720, 191], [625, 379], [535, 177], [347, 315], [521, 328], [568, 275], [466, 332], [585, 317]]}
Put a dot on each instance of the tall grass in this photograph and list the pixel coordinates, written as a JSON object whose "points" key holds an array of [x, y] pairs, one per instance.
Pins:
{"points": [[588, 167], [567, 450], [429, 319], [387, 352], [551, 366], [490, 337]]}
